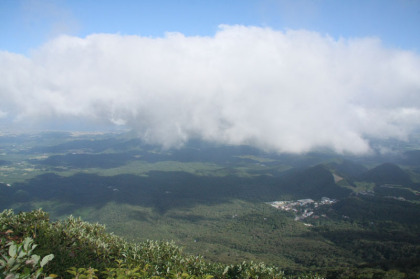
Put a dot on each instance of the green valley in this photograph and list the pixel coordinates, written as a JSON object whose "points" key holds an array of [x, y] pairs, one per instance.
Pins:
{"points": [[213, 200]]}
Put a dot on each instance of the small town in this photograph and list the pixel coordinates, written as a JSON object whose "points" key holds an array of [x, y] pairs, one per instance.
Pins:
{"points": [[303, 208]]}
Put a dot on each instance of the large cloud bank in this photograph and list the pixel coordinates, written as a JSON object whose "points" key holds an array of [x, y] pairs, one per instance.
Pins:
{"points": [[291, 91]]}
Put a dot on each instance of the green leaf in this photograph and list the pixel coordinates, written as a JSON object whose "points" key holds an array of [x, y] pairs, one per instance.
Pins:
{"points": [[21, 254], [72, 271], [38, 273], [35, 259], [5, 257], [11, 261], [12, 250], [46, 259], [26, 243], [14, 267]]}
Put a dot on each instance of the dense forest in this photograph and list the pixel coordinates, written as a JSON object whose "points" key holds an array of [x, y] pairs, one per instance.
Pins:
{"points": [[216, 202]]}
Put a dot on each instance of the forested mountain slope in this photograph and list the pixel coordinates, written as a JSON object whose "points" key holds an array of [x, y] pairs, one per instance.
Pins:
{"points": [[336, 215]]}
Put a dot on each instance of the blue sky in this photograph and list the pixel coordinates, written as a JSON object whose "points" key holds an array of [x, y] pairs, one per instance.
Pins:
{"points": [[27, 24]]}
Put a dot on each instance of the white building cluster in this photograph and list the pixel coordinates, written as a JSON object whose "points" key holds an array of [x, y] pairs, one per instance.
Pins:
{"points": [[303, 208]]}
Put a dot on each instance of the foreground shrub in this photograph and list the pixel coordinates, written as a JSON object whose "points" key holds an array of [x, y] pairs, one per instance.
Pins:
{"points": [[18, 261], [84, 250], [72, 241]]}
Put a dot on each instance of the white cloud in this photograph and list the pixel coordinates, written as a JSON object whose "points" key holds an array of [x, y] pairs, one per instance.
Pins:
{"points": [[2, 114], [290, 91]]}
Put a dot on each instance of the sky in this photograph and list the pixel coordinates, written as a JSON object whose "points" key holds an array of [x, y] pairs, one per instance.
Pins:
{"points": [[284, 76]]}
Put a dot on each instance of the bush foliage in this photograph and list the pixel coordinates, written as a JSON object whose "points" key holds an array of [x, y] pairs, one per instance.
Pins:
{"points": [[72, 248]]}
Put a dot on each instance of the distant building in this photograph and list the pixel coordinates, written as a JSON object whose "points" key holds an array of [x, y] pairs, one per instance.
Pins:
{"points": [[306, 201]]}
